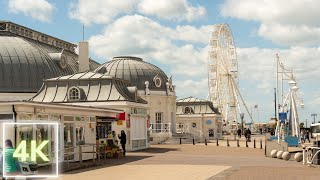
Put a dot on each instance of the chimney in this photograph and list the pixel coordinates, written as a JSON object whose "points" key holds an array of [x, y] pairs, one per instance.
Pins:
{"points": [[83, 56]]}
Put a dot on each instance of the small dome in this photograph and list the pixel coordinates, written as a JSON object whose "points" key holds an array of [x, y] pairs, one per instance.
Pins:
{"points": [[25, 63], [135, 70]]}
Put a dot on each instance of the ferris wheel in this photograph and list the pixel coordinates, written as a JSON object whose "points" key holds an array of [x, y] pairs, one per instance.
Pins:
{"points": [[223, 73]]}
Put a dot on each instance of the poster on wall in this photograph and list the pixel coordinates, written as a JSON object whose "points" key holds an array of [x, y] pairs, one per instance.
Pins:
{"points": [[120, 122], [128, 122], [148, 121]]}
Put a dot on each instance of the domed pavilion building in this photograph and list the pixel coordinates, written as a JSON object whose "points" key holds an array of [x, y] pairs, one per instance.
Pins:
{"points": [[27, 57], [153, 85]]}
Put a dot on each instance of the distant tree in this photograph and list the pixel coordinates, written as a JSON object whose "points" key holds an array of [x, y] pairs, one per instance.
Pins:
{"points": [[301, 125]]}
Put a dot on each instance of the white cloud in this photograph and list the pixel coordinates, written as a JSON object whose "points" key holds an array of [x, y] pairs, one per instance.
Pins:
{"points": [[171, 9], [259, 65], [290, 34], [152, 41], [292, 22], [37, 9], [193, 34], [99, 11], [197, 88]]}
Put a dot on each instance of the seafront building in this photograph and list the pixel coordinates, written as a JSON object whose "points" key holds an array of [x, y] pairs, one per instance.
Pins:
{"points": [[198, 117], [43, 79]]}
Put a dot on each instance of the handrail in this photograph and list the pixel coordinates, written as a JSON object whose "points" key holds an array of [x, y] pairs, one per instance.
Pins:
{"points": [[160, 127], [95, 150], [308, 157]]}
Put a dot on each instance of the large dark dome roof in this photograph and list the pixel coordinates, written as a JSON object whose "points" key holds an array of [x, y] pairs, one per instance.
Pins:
{"points": [[24, 63], [136, 71]]}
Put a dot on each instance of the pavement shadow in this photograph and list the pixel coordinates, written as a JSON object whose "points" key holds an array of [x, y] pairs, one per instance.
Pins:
{"points": [[90, 165], [156, 150]]}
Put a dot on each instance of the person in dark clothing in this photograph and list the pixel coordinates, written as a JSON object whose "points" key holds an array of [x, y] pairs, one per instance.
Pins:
{"points": [[249, 135], [239, 133], [307, 136], [245, 133], [123, 140]]}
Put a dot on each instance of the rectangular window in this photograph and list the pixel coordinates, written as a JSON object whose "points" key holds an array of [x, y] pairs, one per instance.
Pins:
{"points": [[6, 117], [158, 125]]}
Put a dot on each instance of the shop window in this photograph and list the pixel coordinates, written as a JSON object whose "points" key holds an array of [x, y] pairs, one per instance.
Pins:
{"points": [[68, 134], [74, 94], [103, 129], [68, 118], [42, 135], [68, 140], [80, 135], [6, 116]]}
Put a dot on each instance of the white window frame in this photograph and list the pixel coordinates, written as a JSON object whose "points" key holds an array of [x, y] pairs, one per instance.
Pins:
{"points": [[158, 121], [76, 96]]}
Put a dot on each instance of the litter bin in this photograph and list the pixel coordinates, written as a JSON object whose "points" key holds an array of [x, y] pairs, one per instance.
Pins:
{"points": [[317, 158]]}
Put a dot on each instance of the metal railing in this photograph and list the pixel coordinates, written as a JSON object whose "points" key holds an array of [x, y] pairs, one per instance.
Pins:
{"points": [[186, 128], [98, 152], [160, 127], [183, 128], [309, 155]]}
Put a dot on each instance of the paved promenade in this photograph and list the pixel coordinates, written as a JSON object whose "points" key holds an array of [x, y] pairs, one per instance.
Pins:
{"points": [[198, 161]]}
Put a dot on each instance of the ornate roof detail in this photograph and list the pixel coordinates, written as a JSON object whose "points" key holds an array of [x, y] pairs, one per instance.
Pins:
{"points": [[198, 106], [93, 87], [136, 71]]}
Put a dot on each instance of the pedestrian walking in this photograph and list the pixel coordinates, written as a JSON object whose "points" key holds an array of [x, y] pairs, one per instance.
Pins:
{"points": [[239, 133], [123, 140], [302, 136], [249, 135], [306, 136], [245, 133]]}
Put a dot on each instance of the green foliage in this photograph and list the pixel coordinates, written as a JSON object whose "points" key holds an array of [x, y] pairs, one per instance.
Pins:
{"points": [[301, 125]]}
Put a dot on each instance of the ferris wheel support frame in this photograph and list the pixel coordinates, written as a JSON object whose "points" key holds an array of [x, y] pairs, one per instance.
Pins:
{"points": [[222, 73]]}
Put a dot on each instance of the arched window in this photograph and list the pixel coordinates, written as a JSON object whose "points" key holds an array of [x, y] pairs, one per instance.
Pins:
{"points": [[74, 94], [188, 110]]}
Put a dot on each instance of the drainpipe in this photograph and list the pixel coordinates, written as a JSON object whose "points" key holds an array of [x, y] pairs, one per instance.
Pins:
{"points": [[15, 126]]}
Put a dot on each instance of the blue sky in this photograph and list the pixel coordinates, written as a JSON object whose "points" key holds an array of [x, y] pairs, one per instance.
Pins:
{"points": [[174, 35]]}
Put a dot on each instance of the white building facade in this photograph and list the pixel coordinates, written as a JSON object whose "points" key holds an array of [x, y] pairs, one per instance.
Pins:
{"points": [[153, 85], [199, 118]]}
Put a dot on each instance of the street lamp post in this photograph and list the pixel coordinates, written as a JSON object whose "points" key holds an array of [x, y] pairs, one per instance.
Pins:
{"points": [[314, 115], [241, 116], [306, 123]]}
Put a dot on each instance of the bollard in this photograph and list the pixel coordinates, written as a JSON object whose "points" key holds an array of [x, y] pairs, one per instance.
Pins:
{"points": [[246, 143], [254, 143], [180, 140], [260, 143], [193, 141], [205, 141], [304, 159], [228, 142], [238, 143], [217, 142]]}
